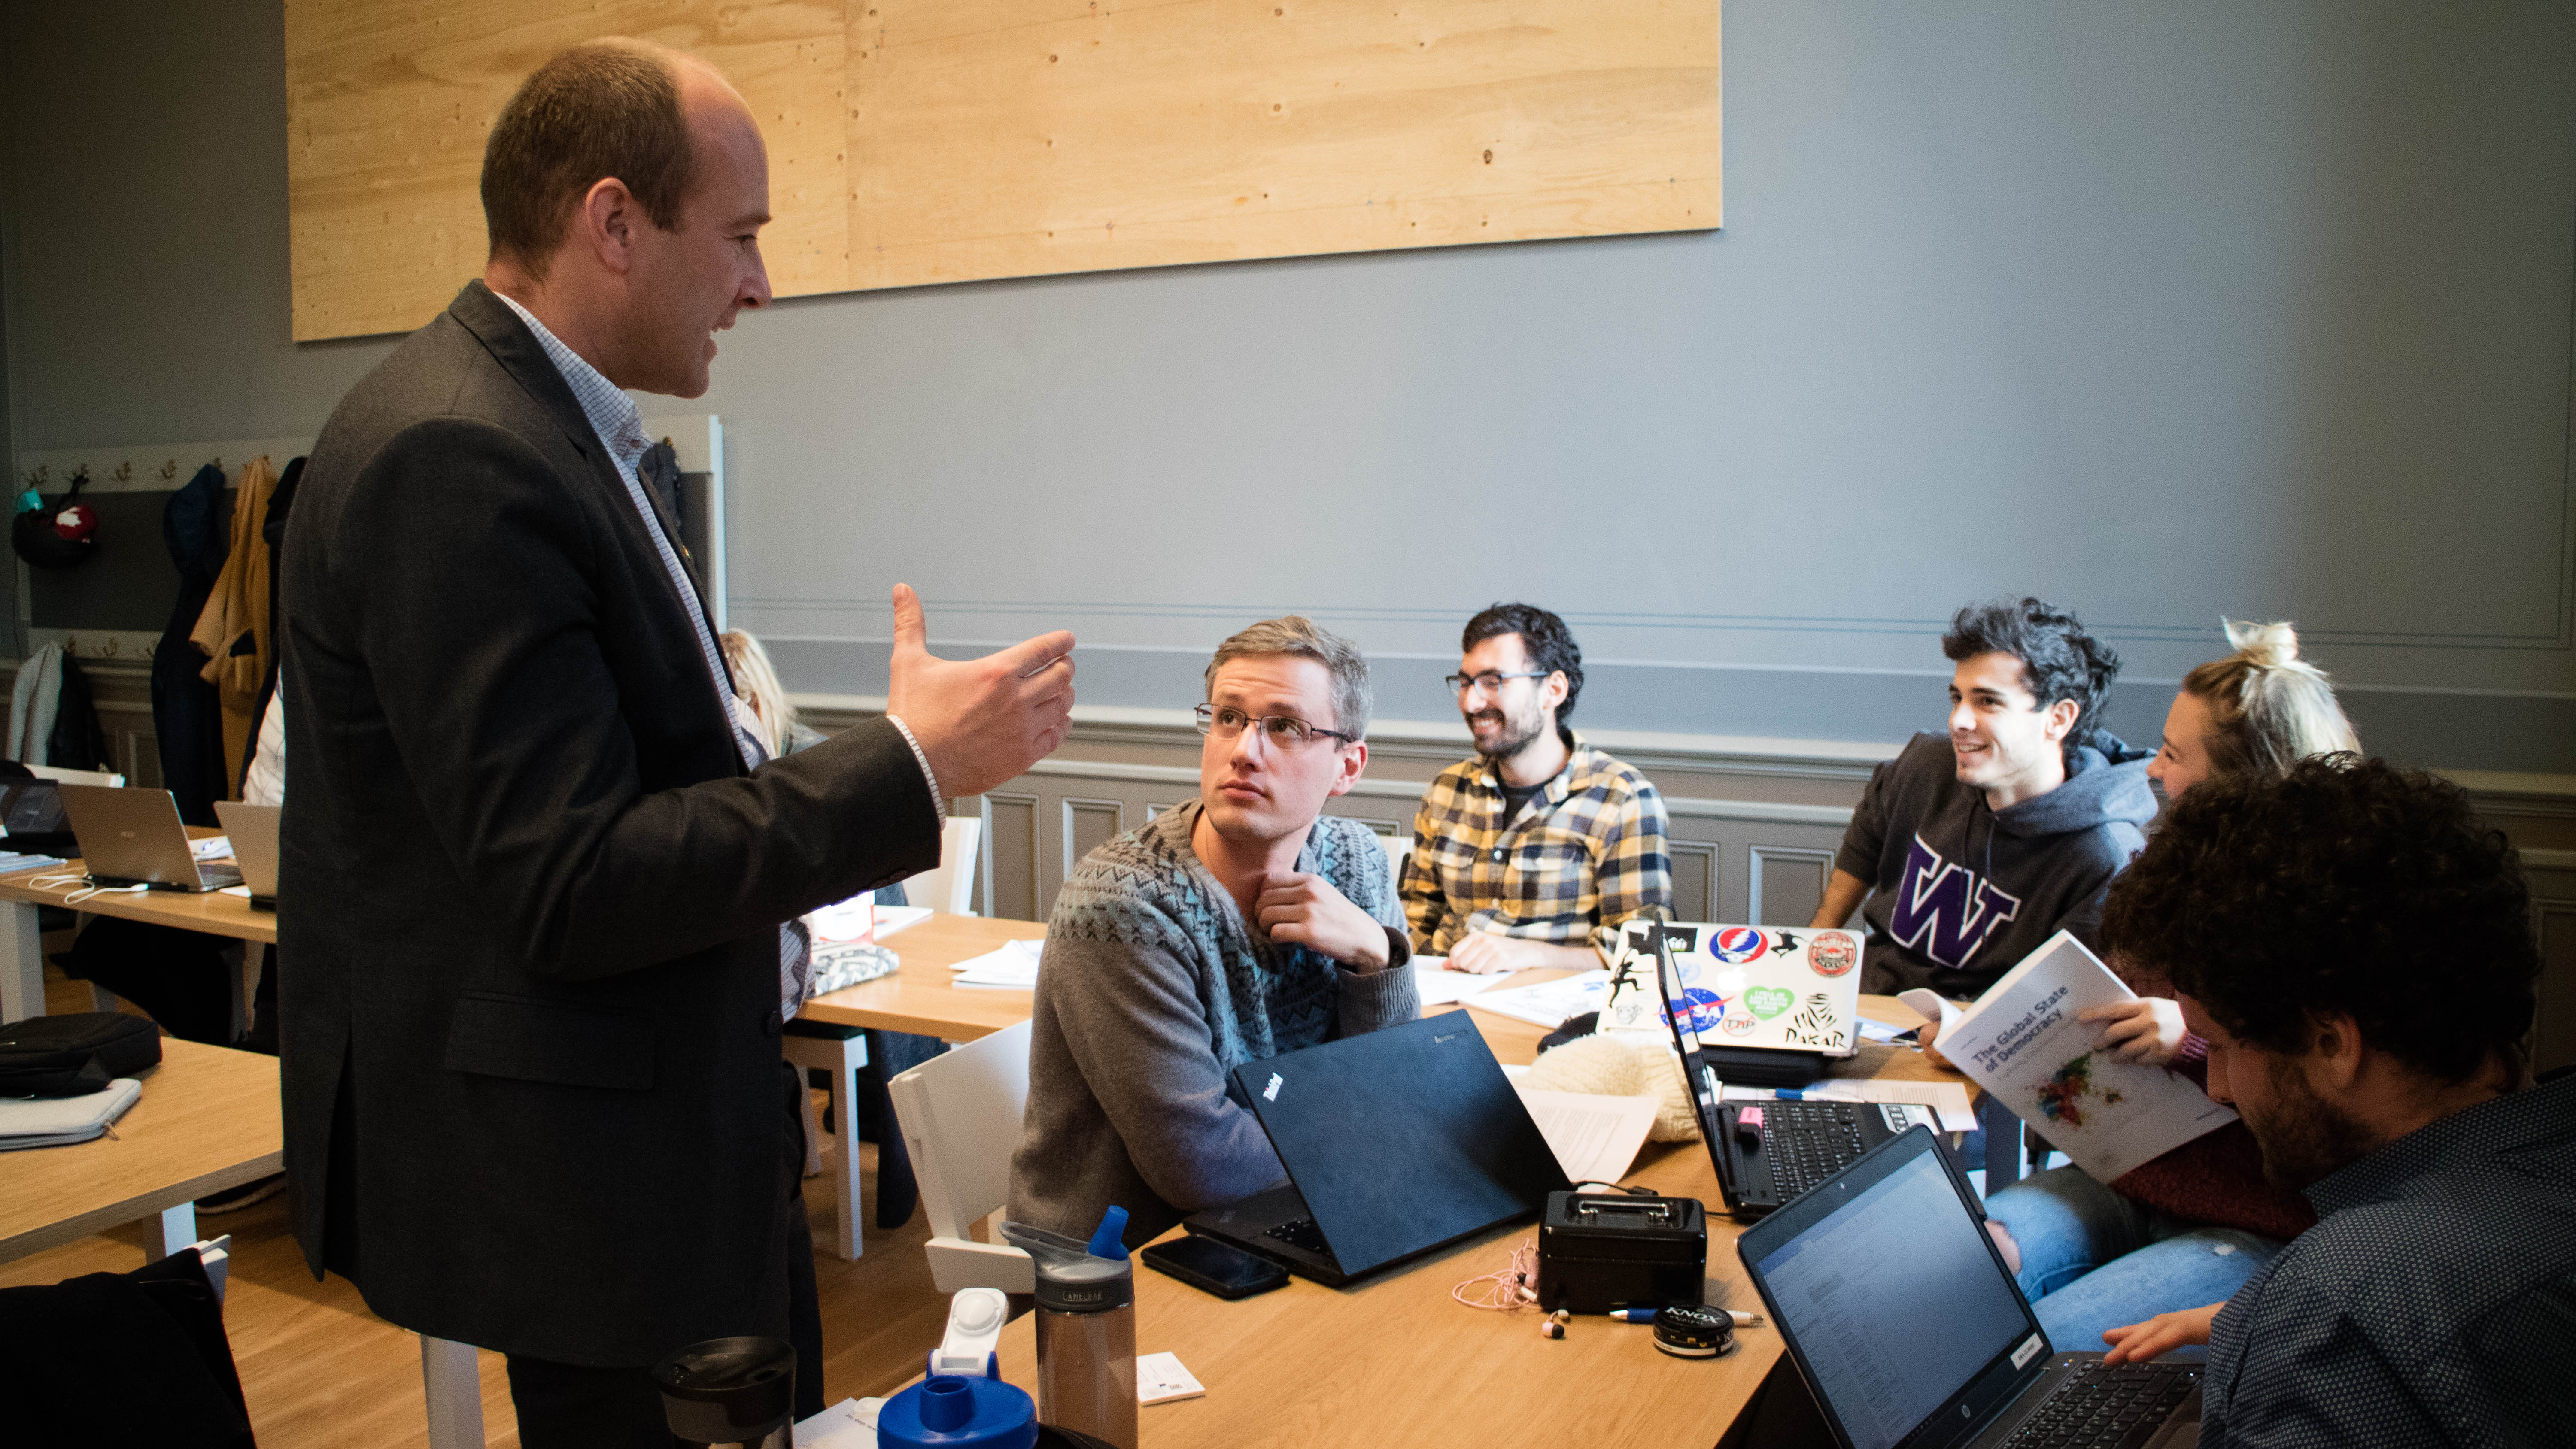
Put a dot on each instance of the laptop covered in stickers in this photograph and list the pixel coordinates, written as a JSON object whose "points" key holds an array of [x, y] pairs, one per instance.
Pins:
{"points": [[1767, 1005]]}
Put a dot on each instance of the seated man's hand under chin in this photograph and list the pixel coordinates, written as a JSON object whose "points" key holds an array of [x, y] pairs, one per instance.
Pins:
{"points": [[1306, 910]]}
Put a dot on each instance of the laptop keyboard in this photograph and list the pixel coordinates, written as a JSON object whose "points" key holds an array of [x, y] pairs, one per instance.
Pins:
{"points": [[1302, 1234], [2107, 1406], [1800, 1145]]}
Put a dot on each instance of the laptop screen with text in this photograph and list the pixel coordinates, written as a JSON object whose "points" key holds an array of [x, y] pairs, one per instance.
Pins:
{"points": [[1894, 1301]]}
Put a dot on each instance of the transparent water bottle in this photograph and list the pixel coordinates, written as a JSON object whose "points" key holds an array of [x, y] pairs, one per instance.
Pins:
{"points": [[1086, 1329]]}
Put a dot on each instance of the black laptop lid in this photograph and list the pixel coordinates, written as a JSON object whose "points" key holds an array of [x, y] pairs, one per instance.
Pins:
{"points": [[1402, 1139], [1892, 1299]]}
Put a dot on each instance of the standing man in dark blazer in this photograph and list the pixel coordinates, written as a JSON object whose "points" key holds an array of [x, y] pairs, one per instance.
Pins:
{"points": [[541, 883]]}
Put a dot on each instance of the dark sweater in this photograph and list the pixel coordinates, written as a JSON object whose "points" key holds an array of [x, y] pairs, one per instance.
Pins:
{"points": [[1959, 892]]}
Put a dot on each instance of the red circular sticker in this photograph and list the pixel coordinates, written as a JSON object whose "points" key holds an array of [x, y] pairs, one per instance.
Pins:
{"points": [[1833, 953]]}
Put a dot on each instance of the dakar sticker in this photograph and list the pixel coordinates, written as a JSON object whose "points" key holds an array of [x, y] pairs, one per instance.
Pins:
{"points": [[1767, 1002], [1833, 953], [1736, 945]]}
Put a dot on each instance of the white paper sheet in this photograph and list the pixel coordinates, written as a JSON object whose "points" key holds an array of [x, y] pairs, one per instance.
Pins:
{"points": [[891, 919], [1441, 986], [1548, 1003], [1012, 968], [1595, 1138]]}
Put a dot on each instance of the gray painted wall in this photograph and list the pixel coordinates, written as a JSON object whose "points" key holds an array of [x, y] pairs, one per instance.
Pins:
{"points": [[2158, 308]]}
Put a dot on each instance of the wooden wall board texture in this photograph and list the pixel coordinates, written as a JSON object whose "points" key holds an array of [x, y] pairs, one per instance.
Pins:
{"points": [[924, 141]]}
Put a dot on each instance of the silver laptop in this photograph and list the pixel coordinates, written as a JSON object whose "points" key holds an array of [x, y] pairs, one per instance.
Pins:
{"points": [[253, 829], [132, 836]]}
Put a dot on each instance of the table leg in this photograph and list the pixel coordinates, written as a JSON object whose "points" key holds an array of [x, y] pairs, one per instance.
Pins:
{"points": [[22, 964], [2003, 1143], [178, 1228], [845, 1120], [454, 1386]]}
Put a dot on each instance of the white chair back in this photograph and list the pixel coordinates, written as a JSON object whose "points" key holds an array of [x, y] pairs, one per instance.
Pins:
{"points": [[950, 886], [77, 777], [961, 1113]]}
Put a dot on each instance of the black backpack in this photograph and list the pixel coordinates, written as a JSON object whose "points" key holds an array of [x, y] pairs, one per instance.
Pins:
{"points": [[74, 1054]]}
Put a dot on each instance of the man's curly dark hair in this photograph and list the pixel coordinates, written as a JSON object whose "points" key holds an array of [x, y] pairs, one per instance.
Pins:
{"points": [[1544, 637], [2346, 886], [2058, 659]]}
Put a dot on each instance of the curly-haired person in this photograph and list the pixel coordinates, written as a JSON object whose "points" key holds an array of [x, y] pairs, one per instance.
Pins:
{"points": [[2356, 948], [2191, 1226]]}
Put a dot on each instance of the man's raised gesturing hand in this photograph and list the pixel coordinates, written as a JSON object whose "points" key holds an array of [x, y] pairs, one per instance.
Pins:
{"points": [[981, 721]]}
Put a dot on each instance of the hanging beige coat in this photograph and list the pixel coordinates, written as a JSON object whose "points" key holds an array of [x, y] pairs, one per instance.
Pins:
{"points": [[233, 631]]}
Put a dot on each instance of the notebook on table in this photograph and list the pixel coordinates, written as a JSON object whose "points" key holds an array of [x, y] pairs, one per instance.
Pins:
{"points": [[1396, 1142], [1908, 1330]]}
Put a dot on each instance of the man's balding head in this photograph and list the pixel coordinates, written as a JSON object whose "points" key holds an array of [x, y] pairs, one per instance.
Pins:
{"points": [[615, 107]]}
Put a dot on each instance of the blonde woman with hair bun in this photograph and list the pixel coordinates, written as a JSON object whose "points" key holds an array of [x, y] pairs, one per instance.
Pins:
{"points": [[2262, 708], [2125, 1260]]}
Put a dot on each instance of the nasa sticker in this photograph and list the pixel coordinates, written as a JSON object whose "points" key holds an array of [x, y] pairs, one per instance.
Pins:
{"points": [[1705, 1008], [1736, 945], [1833, 953]]}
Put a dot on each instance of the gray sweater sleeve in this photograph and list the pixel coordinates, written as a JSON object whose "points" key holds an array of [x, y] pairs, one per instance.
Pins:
{"points": [[1135, 1039]]}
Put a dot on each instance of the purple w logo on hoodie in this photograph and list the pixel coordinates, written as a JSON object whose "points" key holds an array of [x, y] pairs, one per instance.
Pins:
{"points": [[1943, 910]]}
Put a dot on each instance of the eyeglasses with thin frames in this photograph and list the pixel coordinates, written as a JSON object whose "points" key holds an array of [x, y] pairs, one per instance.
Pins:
{"points": [[1490, 682], [1282, 731]]}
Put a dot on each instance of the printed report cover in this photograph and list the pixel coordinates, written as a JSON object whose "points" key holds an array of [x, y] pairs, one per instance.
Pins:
{"points": [[2021, 1042]]}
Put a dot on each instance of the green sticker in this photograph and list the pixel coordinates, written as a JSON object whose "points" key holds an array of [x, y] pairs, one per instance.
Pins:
{"points": [[1767, 1002]]}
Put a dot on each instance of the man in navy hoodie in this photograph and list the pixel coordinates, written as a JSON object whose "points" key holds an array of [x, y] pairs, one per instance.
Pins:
{"points": [[1974, 847]]}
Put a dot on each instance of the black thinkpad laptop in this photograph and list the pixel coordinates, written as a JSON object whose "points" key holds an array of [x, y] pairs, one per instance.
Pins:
{"points": [[1396, 1143], [1909, 1331], [1767, 1153]]}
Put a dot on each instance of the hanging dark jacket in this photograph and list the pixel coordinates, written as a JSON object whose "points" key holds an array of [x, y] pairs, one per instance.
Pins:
{"points": [[77, 743], [281, 503], [185, 712]]}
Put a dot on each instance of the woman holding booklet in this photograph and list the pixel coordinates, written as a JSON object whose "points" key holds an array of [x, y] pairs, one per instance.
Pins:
{"points": [[2131, 1263]]}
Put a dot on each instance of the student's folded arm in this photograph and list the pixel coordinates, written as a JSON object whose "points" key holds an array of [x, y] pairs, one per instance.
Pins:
{"points": [[484, 647], [1369, 1000], [1131, 1018], [1426, 905], [1632, 868]]}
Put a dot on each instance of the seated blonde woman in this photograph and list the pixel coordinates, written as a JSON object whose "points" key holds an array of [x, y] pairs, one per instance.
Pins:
{"points": [[2143, 1263]]}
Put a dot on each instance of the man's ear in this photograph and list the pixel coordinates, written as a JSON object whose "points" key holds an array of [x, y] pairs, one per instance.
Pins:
{"points": [[2061, 718], [607, 223], [1556, 687], [1354, 759], [2335, 1050]]}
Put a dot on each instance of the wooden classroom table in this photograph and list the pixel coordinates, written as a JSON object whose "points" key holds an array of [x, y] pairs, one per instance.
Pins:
{"points": [[22, 957], [918, 998], [207, 1120], [1398, 1361]]}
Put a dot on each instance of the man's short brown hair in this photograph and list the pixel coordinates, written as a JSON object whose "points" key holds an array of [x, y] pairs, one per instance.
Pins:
{"points": [[602, 109]]}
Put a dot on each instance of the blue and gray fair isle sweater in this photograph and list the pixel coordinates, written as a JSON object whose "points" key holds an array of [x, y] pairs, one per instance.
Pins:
{"points": [[1151, 989]]}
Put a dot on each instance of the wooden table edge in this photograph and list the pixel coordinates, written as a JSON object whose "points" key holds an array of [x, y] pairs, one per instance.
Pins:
{"points": [[137, 1207]]}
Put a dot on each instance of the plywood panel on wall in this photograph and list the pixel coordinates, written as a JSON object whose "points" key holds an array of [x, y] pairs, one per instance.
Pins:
{"points": [[918, 141]]}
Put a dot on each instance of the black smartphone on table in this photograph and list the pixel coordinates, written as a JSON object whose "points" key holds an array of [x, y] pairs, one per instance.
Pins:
{"points": [[1213, 1267]]}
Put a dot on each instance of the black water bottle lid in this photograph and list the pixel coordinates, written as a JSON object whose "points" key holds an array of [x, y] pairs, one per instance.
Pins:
{"points": [[728, 1390]]}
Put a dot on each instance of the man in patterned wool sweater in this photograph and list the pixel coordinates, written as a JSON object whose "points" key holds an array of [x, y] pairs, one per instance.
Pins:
{"points": [[1243, 924]]}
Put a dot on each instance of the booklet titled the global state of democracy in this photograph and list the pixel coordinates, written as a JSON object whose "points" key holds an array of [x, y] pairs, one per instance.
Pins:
{"points": [[2022, 1043]]}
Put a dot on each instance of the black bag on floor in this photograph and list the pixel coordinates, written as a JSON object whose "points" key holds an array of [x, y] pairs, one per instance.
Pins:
{"points": [[74, 1054]]}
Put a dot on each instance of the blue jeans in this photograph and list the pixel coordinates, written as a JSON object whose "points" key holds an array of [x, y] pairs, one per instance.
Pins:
{"points": [[2093, 1260]]}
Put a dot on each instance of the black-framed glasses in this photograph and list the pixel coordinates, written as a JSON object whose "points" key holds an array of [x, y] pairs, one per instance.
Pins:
{"points": [[1490, 681], [1285, 731]]}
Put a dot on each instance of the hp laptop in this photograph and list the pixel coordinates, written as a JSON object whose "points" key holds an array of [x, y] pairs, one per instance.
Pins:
{"points": [[1908, 1330], [253, 829], [1766, 1152], [1396, 1143], [132, 836]]}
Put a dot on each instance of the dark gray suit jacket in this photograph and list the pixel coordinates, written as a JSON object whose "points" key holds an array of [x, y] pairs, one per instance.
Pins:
{"points": [[528, 896]]}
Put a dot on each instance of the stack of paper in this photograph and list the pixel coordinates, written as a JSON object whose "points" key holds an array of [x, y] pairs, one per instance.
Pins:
{"points": [[1595, 1138], [1012, 968], [1441, 986], [1548, 1003]]}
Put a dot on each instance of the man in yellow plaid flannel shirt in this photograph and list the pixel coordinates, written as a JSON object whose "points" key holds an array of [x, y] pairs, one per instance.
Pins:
{"points": [[1534, 852]]}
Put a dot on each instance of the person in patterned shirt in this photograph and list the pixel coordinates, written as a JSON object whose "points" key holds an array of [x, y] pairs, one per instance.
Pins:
{"points": [[2356, 947], [1240, 925], [1534, 852]]}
